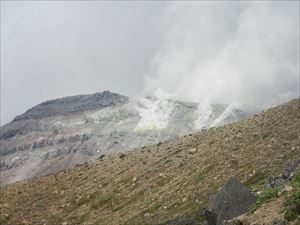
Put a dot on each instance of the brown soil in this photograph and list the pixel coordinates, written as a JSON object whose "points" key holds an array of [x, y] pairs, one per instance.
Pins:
{"points": [[155, 183]]}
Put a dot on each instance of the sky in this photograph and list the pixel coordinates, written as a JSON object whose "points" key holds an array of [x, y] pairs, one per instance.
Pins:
{"points": [[52, 49], [207, 51]]}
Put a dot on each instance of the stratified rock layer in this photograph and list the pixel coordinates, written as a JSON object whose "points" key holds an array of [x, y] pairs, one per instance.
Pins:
{"points": [[61, 133]]}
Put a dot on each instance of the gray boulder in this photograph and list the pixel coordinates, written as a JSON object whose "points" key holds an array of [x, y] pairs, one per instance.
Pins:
{"points": [[290, 168], [273, 182], [232, 200]]}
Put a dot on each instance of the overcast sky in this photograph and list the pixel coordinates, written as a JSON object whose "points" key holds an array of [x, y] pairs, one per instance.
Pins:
{"points": [[244, 52], [52, 49]]}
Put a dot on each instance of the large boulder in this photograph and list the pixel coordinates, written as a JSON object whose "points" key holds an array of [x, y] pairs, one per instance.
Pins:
{"points": [[232, 200]]}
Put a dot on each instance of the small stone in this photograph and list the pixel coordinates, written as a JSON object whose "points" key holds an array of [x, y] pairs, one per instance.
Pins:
{"points": [[288, 188], [147, 215], [281, 223], [162, 175], [259, 192], [135, 179], [192, 151], [122, 156]]}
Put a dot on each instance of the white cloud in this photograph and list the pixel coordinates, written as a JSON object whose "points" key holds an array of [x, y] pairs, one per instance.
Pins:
{"points": [[245, 53]]}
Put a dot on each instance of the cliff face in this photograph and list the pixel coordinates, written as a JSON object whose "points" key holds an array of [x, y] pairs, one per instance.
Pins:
{"points": [[61, 133]]}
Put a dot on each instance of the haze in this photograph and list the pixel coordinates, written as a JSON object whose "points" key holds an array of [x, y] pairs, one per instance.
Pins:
{"points": [[221, 52]]}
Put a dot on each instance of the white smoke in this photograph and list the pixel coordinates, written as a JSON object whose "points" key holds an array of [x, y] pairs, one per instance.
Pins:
{"points": [[228, 112], [204, 112], [155, 111], [243, 53]]}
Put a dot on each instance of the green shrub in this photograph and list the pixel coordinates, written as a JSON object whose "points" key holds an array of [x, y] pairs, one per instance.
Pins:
{"points": [[265, 196], [290, 215], [296, 198], [292, 210], [296, 179]]}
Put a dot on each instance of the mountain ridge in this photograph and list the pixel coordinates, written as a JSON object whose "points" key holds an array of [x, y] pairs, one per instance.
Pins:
{"points": [[61, 133], [72, 104], [157, 183]]}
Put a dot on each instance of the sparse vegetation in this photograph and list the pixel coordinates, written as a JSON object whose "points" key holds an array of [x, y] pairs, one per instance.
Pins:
{"points": [[258, 179], [293, 203], [2, 220], [83, 217], [265, 196], [56, 219], [296, 179], [110, 196]]}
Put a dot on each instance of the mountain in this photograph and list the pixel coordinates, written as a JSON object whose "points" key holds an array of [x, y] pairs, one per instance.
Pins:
{"points": [[61, 133], [158, 183]]}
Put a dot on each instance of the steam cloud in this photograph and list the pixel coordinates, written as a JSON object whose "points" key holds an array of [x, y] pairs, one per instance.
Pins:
{"points": [[243, 53], [155, 111]]}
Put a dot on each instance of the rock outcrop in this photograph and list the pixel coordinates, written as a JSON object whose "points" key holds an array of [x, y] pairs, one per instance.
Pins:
{"points": [[283, 178], [232, 200]]}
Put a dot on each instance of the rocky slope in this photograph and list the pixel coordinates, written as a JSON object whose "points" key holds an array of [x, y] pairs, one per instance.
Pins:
{"points": [[61, 133], [161, 182]]}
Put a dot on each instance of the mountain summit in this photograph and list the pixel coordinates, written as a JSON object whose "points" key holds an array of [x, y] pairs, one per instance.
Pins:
{"points": [[72, 104], [61, 133]]}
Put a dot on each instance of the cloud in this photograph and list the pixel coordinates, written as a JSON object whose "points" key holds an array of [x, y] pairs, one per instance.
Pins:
{"points": [[52, 49], [243, 53]]}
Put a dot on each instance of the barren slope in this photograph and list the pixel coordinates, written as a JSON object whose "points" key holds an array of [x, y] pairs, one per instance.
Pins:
{"points": [[155, 183]]}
